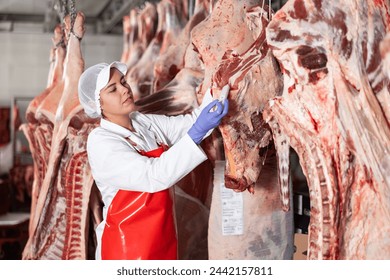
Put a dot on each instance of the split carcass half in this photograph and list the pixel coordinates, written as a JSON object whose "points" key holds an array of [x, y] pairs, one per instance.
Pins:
{"points": [[140, 29], [38, 129], [334, 112], [231, 44], [134, 47], [171, 62], [59, 228], [140, 76], [126, 38]]}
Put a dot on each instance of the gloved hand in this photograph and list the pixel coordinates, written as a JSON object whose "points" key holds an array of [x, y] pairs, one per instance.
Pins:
{"points": [[208, 120]]}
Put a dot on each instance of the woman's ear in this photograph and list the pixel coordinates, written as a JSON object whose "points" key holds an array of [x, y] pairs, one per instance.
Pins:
{"points": [[101, 106]]}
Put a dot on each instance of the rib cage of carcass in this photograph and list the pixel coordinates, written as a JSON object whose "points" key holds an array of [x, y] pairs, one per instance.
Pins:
{"points": [[38, 130], [334, 112]]}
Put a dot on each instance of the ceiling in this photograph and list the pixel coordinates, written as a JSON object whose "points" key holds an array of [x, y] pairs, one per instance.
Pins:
{"points": [[38, 7], [104, 15]]}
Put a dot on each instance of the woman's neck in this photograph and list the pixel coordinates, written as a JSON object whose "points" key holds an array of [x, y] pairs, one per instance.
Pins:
{"points": [[123, 121]]}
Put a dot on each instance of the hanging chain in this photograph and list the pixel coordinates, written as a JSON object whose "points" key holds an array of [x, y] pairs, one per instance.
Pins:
{"points": [[73, 13], [62, 10]]}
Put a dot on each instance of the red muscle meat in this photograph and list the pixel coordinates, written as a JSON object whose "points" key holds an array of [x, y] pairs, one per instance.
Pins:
{"points": [[245, 62], [334, 112]]}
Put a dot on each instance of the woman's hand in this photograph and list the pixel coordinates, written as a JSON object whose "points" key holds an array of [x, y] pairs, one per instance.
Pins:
{"points": [[208, 119]]}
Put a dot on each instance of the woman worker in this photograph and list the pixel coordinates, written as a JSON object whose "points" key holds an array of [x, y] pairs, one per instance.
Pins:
{"points": [[135, 158]]}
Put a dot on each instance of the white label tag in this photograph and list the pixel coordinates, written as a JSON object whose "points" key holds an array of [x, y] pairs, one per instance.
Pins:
{"points": [[232, 203], [232, 212]]}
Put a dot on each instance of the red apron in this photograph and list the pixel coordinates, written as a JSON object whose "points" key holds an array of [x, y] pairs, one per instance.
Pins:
{"points": [[140, 225]]}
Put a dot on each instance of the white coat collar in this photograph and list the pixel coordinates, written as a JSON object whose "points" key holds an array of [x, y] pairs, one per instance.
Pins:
{"points": [[113, 127], [143, 136]]}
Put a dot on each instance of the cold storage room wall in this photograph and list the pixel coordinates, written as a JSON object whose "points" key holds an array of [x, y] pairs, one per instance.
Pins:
{"points": [[24, 60]]}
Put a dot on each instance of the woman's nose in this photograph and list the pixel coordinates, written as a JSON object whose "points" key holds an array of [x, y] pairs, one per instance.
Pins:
{"points": [[125, 90]]}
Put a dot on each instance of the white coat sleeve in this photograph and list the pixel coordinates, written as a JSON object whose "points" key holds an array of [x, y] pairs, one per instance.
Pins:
{"points": [[117, 165], [177, 126]]}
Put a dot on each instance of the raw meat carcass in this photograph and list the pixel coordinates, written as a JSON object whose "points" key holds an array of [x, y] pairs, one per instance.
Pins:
{"points": [[177, 97], [334, 112], [134, 51], [39, 127], [126, 38], [192, 58], [173, 24], [140, 75], [147, 24], [171, 62], [245, 63], [60, 226], [141, 28], [385, 53], [231, 44]]}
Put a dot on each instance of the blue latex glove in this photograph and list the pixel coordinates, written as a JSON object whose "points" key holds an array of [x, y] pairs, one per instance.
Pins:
{"points": [[208, 120]]}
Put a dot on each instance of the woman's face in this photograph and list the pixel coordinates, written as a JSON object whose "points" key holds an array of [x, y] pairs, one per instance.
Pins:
{"points": [[116, 97]]}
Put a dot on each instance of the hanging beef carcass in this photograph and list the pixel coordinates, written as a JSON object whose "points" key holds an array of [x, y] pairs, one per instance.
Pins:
{"points": [[147, 24], [173, 24], [60, 225], [177, 97], [134, 47], [176, 80], [171, 62], [140, 76], [39, 127], [334, 113], [141, 28], [244, 61], [126, 38]]}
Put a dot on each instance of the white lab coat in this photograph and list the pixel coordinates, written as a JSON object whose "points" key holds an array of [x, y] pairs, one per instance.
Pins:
{"points": [[117, 165]]}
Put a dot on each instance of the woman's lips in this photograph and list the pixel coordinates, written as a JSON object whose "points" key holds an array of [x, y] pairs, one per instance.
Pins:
{"points": [[128, 99]]}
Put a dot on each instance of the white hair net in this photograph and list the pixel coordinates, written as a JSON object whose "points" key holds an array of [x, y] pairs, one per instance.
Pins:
{"points": [[91, 82]]}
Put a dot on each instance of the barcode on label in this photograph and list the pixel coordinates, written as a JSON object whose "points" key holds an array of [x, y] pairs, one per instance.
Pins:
{"points": [[232, 211]]}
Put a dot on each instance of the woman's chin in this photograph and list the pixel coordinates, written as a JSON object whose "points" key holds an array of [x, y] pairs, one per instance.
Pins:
{"points": [[130, 108]]}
